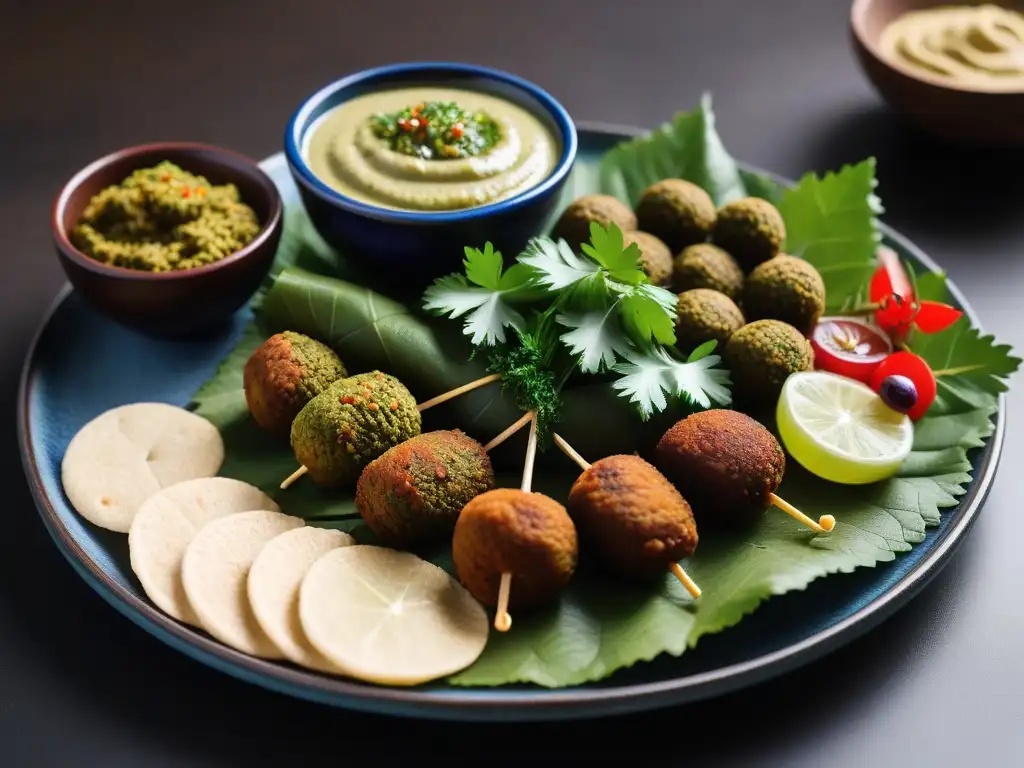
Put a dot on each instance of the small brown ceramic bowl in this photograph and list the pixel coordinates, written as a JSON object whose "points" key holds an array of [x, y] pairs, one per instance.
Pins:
{"points": [[178, 302], [958, 113]]}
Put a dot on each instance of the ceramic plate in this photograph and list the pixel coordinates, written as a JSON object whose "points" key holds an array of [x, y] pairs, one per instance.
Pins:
{"points": [[81, 364]]}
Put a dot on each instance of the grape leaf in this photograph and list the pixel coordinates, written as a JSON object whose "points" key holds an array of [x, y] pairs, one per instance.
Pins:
{"points": [[831, 222], [687, 148], [965, 361], [648, 374]]}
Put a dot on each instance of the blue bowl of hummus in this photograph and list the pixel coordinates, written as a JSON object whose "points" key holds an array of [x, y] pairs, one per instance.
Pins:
{"points": [[404, 166]]}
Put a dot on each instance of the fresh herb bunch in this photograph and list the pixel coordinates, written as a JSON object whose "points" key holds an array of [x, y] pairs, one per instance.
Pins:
{"points": [[437, 130], [597, 311]]}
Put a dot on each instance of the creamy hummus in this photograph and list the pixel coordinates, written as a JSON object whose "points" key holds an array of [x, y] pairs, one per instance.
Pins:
{"points": [[974, 46], [343, 152]]}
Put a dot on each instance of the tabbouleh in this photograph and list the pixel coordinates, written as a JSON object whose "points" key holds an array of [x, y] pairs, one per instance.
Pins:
{"points": [[164, 218]]}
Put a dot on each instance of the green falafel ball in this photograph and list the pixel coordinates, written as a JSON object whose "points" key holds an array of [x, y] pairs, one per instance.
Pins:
{"points": [[284, 373], [350, 424], [413, 493], [677, 212], [655, 257], [751, 230], [574, 224], [703, 314], [785, 288], [707, 266], [760, 357]]}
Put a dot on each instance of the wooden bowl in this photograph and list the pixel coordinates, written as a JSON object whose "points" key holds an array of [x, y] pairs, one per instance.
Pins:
{"points": [[179, 302], [958, 113]]}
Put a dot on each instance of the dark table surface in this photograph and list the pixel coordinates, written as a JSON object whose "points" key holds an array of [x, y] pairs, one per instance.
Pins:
{"points": [[938, 684]]}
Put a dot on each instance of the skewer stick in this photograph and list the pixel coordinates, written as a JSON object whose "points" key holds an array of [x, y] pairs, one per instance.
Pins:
{"points": [[569, 451], [453, 393], [684, 579], [294, 476], [502, 618], [825, 523], [509, 432]]}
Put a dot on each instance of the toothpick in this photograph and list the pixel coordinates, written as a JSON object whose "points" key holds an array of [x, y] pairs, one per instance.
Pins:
{"points": [[453, 393], [294, 476], [569, 451], [684, 578], [509, 432], [502, 619], [531, 454], [825, 523]]}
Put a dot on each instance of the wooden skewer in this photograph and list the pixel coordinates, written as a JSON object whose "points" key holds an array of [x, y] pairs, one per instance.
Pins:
{"points": [[675, 568], [502, 618], [825, 523], [294, 476], [569, 451], [509, 432], [684, 578], [453, 393]]}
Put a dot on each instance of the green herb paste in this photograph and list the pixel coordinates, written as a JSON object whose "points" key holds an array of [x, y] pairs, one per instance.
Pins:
{"points": [[437, 130], [164, 218]]}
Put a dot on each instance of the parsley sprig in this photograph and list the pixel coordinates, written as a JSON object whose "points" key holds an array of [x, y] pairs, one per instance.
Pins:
{"points": [[594, 311]]}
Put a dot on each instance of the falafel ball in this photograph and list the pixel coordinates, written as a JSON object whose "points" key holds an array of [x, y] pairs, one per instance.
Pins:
{"points": [[677, 212], [350, 424], [703, 314], [751, 230], [655, 257], [760, 357], [725, 463], [707, 266], [528, 535], [284, 373], [574, 224], [413, 493], [632, 517], [785, 288]]}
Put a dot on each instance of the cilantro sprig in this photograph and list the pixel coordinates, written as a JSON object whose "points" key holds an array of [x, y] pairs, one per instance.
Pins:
{"points": [[594, 311]]}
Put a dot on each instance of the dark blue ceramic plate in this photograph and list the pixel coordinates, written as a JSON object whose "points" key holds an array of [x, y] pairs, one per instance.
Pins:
{"points": [[81, 364]]}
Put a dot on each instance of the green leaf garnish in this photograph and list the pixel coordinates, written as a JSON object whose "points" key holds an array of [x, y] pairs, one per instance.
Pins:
{"points": [[485, 293], [649, 374], [597, 337], [703, 350], [831, 222], [686, 148], [607, 248], [965, 362]]}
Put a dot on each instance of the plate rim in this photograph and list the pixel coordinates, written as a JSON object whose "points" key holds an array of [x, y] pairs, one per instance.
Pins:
{"points": [[501, 703]]}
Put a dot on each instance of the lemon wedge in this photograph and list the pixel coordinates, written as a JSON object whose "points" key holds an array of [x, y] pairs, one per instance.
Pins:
{"points": [[389, 617], [840, 429]]}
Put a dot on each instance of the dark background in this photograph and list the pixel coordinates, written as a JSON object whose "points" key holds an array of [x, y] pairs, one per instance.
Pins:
{"points": [[938, 684]]}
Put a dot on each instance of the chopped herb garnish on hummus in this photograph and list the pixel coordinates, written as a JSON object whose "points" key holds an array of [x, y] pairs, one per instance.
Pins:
{"points": [[437, 130]]}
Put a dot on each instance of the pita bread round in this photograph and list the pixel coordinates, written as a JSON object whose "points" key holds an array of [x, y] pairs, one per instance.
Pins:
{"points": [[274, 581], [214, 571], [167, 522], [123, 456], [389, 617]]}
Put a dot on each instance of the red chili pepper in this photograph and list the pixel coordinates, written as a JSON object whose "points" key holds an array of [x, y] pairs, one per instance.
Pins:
{"points": [[457, 131], [186, 192], [403, 124], [899, 309], [165, 177]]}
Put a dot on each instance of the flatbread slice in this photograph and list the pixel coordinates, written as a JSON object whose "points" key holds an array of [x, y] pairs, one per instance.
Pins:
{"points": [[389, 617], [274, 581], [125, 455], [214, 572], [167, 522]]}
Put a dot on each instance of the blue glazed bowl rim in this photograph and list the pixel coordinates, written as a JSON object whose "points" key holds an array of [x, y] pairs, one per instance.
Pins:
{"points": [[298, 125]]}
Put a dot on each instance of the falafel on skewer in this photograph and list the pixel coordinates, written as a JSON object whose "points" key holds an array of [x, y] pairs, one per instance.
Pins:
{"points": [[508, 535], [632, 517], [323, 415], [728, 466], [349, 424]]}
